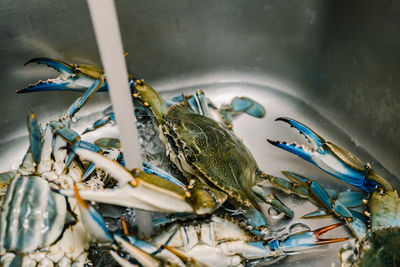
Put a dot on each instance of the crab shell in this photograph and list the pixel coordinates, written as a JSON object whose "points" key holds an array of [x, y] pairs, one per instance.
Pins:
{"points": [[201, 147]]}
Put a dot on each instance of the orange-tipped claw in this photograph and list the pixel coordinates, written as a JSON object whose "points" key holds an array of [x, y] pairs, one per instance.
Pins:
{"points": [[79, 199], [188, 261], [307, 239], [124, 226], [320, 231], [141, 256], [92, 219]]}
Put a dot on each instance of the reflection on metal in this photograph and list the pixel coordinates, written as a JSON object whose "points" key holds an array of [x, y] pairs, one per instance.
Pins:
{"points": [[340, 59]]}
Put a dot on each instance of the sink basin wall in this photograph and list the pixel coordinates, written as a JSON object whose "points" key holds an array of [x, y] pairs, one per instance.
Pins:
{"points": [[342, 57]]}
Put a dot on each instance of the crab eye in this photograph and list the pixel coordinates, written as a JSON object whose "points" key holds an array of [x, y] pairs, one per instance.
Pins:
{"points": [[75, 68], [189, 154]]}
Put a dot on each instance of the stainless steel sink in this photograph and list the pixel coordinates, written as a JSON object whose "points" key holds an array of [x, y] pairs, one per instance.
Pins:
{"points": [[337, 64]]}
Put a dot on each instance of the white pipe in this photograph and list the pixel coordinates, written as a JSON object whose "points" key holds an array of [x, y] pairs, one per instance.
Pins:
{"points": [[106, 28]]}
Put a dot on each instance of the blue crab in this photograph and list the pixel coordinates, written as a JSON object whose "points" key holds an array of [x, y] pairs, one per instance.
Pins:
{"points": [[215, 161], [211, 240], [378, 232], [39, 226]]}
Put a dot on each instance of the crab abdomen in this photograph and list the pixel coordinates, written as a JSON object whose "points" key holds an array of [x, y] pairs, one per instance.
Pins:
{"points": [[33, 216]]}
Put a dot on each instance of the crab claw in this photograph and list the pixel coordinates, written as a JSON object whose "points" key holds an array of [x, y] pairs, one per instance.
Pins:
{"points": [[147, 259], [240, 105], [250, 106], [306, 239], [136, 189], [93, 221], [141, 256], [72, 77], [329, 157]]}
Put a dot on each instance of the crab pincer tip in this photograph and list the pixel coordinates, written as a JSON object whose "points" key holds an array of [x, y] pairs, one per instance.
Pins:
{"points": [[30, 61], [21, 91], [79, 199], [320, 231], [272, 142], [284, 119]]}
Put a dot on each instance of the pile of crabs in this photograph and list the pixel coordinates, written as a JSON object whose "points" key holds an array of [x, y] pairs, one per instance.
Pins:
{"points": [[213, 215]]}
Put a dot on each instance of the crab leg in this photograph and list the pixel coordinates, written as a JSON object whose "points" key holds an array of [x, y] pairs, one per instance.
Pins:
{"points": [[108, 143], [80, 101], [95, 224], [197, 102], [229, 251], [138, 190], [47, 148], [273, 200], [349, 199], [88, 146], [330, 158], [163, 174], [33, 155], [304, 240], [236, 251], [320, 196], [35, 139], [110, 117]]}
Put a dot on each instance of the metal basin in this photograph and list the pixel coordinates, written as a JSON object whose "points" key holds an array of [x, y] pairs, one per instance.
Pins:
{"points": [[333, 64]]}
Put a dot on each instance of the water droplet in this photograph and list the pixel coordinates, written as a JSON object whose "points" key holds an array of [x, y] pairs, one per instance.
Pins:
{"points": [[75, 119], [274, 213], [298, 227]]}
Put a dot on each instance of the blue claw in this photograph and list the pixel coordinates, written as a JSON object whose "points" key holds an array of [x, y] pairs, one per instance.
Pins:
{"points": [[240, 105], [41, 86], [251, 107], [257, 111], [304, 130], [58, 65], [307, 239], [92, 220], [329, 157], [35, 139], [72, 77]]}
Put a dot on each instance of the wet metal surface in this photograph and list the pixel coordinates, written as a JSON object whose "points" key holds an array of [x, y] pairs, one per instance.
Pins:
{"points": [[333, 65]]}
